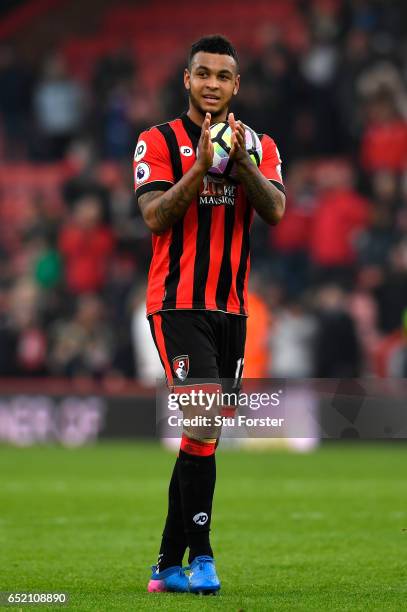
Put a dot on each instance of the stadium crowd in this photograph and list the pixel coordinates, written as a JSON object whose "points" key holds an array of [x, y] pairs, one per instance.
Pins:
{"points": [[329, 283]]}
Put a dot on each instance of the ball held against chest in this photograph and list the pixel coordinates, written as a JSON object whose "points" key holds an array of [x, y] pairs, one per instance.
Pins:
{"points": [[221, 136]]}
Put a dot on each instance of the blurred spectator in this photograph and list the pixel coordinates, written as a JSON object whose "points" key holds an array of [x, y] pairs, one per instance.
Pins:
{"points": [[375, 241], [86, 245], [30, 338], [391, 352], [112, 70], [48, 266], [273, 111], [356, 56], [84, 345], [256, 356], [117, 129], [147, 361], [384, 141], [341, 213], [318, 65], [8, 337], [59, 104], [290, 238], [363, 310], [124, 108], [133, 237], [384, 79], [337, 349], [385, 189], [84, 176], [292, 341], [391, 293], [15, 102]]}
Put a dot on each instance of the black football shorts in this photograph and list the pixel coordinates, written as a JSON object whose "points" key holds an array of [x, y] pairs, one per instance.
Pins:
{"points": [[200, 345]]}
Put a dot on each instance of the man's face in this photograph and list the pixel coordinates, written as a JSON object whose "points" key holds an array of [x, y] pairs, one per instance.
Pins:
{"points": [[212, 81]]}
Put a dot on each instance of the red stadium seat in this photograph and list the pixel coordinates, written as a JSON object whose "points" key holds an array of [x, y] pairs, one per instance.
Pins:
{"points": [[159, 49], [82, 54], [23, 184]]}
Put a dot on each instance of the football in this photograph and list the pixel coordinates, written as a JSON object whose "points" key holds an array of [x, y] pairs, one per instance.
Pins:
{"points": [[221, 136]]}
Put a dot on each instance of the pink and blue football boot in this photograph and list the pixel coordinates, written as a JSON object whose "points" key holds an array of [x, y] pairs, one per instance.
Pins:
{"points": [[170, 580], [203, 578]]}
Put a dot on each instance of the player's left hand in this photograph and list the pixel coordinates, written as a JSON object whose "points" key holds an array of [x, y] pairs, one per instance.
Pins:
{"points": [[238, 151]]}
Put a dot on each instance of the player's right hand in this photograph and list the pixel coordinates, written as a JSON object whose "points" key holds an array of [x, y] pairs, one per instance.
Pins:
{"points": [[205, 146]]}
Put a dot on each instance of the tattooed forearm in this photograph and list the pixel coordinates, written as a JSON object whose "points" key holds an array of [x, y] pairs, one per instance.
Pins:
{"points": [[171, 205], [162, 209], [268, 201]]}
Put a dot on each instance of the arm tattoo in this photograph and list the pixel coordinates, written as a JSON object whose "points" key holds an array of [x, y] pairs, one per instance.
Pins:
{"points": [[267, 200], [161, 209], [172, 205]]}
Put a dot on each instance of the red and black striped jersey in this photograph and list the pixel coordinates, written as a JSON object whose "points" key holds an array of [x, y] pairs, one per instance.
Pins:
{"points": [[203, 260]]}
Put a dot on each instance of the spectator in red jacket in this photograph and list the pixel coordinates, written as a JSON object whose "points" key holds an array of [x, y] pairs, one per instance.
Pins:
{"points": [[341, 213], [384, 142], [86, 245], [290, 238]]}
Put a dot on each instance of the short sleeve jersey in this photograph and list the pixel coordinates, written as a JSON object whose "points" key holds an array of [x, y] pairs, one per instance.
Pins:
{"points": [[203, 260]]}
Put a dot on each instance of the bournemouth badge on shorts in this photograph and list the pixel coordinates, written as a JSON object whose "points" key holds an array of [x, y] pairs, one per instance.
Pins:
{"points": [[180, 365]]}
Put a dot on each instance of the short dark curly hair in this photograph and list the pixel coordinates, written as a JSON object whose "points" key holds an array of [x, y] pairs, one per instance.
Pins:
{"points": [[215, 43]]}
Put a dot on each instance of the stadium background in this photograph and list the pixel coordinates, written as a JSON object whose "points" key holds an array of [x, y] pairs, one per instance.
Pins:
{"points": [[77, 85], [78, 82]]}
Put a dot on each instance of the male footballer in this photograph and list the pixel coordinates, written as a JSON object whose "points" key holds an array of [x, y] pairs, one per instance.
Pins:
{"points": [[197, 284]]}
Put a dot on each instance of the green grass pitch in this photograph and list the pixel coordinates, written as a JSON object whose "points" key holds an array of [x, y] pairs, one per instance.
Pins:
{"points": [[324, 531]]}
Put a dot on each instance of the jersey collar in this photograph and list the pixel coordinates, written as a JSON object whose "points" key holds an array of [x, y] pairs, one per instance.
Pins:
{"points": [[192, 129]]}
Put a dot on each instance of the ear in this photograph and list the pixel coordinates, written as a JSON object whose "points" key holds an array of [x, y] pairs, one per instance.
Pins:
{"points": [[237, 85], [187, 79]]}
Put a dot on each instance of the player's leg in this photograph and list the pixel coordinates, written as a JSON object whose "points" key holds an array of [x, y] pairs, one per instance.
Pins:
{"points": [[186, 344], [173, 542], [232, 340], [189, 334], [229, 334]]}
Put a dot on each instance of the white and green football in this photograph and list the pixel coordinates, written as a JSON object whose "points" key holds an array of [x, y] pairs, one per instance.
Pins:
{"points": [[221, 136]]}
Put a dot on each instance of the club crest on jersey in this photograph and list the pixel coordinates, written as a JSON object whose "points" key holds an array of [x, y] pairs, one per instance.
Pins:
{"points": [[180, 365], [140, 151], [217, 192], [142, 173], [186, 151]]}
